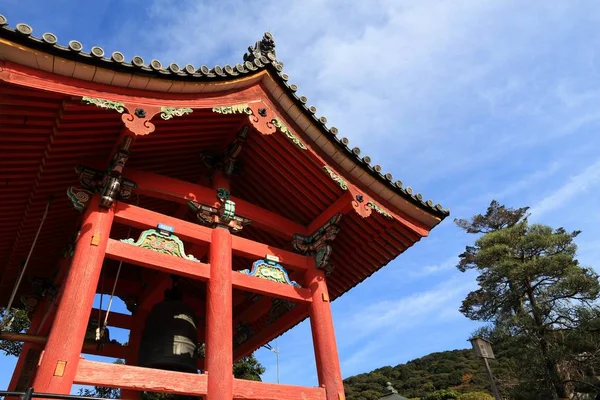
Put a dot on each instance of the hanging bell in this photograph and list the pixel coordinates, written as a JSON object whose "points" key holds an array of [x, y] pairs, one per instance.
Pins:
{"points": [[169, 336]]}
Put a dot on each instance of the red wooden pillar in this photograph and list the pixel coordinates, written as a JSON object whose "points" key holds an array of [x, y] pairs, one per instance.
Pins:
{"points": [[58, 363], [321, 323], [219, 318], [133, 347]]}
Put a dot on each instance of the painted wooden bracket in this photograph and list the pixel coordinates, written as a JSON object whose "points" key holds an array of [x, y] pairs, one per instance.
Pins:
{"points": [[318, 244], [361, 203], [270, 270], [222, 213], [162, 241], [138, 116]]}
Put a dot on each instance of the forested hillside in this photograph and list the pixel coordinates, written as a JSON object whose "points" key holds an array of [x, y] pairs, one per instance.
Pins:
{"points": [[456, 369]]}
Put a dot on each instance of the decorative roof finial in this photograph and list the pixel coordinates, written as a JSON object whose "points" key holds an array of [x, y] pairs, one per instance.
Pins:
{"points": [[263, 48], [389, 389]]}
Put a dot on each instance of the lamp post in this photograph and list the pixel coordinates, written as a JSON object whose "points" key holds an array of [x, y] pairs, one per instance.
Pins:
{"points": [[276, 351], [483, 349]]}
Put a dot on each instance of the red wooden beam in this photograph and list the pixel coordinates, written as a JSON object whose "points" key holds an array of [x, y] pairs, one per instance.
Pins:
{"points": [[112, 350], [255, 250], [342, 205], [171, 189], [140, 379], [270, 288], [253, 312], [142, 218], [156, 380], [243, 389], [280, 326], [128, 253], [155, 291], [114, 318]]}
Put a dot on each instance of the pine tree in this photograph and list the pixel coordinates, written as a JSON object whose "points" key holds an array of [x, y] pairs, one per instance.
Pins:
{"points": [[530, 285]]}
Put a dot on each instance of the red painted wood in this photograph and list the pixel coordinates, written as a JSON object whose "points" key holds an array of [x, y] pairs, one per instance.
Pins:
{"points": [[117, 250], [254, 312], [68, 331], [255, 250], [114, 318], [286, 322], [251, 390], [36, 320], [135, 337], [37, 79], [321, 323], [342, 205], [189, 232], [166, 188], [138, 217], [154, 380], [108, 350], [155, 291], [219, 317], [140, 379], [270, 288]]}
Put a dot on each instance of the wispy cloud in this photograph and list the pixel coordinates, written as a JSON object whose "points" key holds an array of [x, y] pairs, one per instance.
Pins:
{"points": [[575, 186], [386, 319]]}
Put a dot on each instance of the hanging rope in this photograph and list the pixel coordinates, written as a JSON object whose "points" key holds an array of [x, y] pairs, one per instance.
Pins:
{"points": [[16, 288], [100, 331], [112, 294], [99, 327]]}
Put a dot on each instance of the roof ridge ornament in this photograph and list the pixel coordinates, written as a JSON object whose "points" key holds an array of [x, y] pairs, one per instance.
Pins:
{"points": [[263, 48]]}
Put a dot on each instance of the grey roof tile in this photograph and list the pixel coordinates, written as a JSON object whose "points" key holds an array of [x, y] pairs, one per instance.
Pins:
{"points": [[259, 57]]}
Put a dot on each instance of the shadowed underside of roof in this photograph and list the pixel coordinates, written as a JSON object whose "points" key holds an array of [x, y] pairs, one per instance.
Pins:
{"points": [[45, 134]]}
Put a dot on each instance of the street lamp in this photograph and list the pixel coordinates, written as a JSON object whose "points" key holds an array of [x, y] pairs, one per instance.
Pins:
{"points": [[483, 349], [276, 351]]}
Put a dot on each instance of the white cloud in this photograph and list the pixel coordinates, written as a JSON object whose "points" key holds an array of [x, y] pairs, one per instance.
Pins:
{"points": [[577, 185], [386, 319]]}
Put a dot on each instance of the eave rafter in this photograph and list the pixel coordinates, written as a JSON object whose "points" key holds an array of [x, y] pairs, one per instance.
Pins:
{"points": [[261, 115], [266, 121]]}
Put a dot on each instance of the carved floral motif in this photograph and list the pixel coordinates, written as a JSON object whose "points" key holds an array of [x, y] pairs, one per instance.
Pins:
{"points": [[102, 103], [155, 240], [379, 210], [290, 135], [271, 271], [170, 112], [336, 178]]}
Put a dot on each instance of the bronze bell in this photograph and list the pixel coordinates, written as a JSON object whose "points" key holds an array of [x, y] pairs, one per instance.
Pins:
{"points": [[169, 336]]}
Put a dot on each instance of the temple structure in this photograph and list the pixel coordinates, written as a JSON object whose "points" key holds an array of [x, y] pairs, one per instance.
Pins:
{"points": [[210, 200]]}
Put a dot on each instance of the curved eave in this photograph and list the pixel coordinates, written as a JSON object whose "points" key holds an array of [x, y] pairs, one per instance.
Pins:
{"points": [[44, 54]]}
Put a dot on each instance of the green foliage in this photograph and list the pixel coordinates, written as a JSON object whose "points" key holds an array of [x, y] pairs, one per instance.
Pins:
{"points": [[459, 370], [248, 368], [17, 322], [443, 394], [476, 396], [540, 301]]}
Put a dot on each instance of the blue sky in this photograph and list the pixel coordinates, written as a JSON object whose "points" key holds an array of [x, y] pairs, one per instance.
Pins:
{"points": [[465, 101]]}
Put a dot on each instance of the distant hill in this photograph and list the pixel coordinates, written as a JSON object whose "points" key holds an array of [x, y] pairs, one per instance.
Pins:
{"points": [[457, 369]]}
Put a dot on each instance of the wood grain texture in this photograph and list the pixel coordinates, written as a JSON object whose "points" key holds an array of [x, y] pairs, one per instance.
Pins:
{"points": [[166, 188], [270, 288], [68, 330], [219, 318], [250, 390], [125, 252], [321, 324], [140, 379]]}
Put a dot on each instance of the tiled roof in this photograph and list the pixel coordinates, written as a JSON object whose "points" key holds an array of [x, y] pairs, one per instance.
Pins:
{"points": [[259, 57]]}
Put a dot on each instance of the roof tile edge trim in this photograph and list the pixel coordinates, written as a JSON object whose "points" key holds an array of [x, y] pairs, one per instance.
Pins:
{"points": [[260, 57]]}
